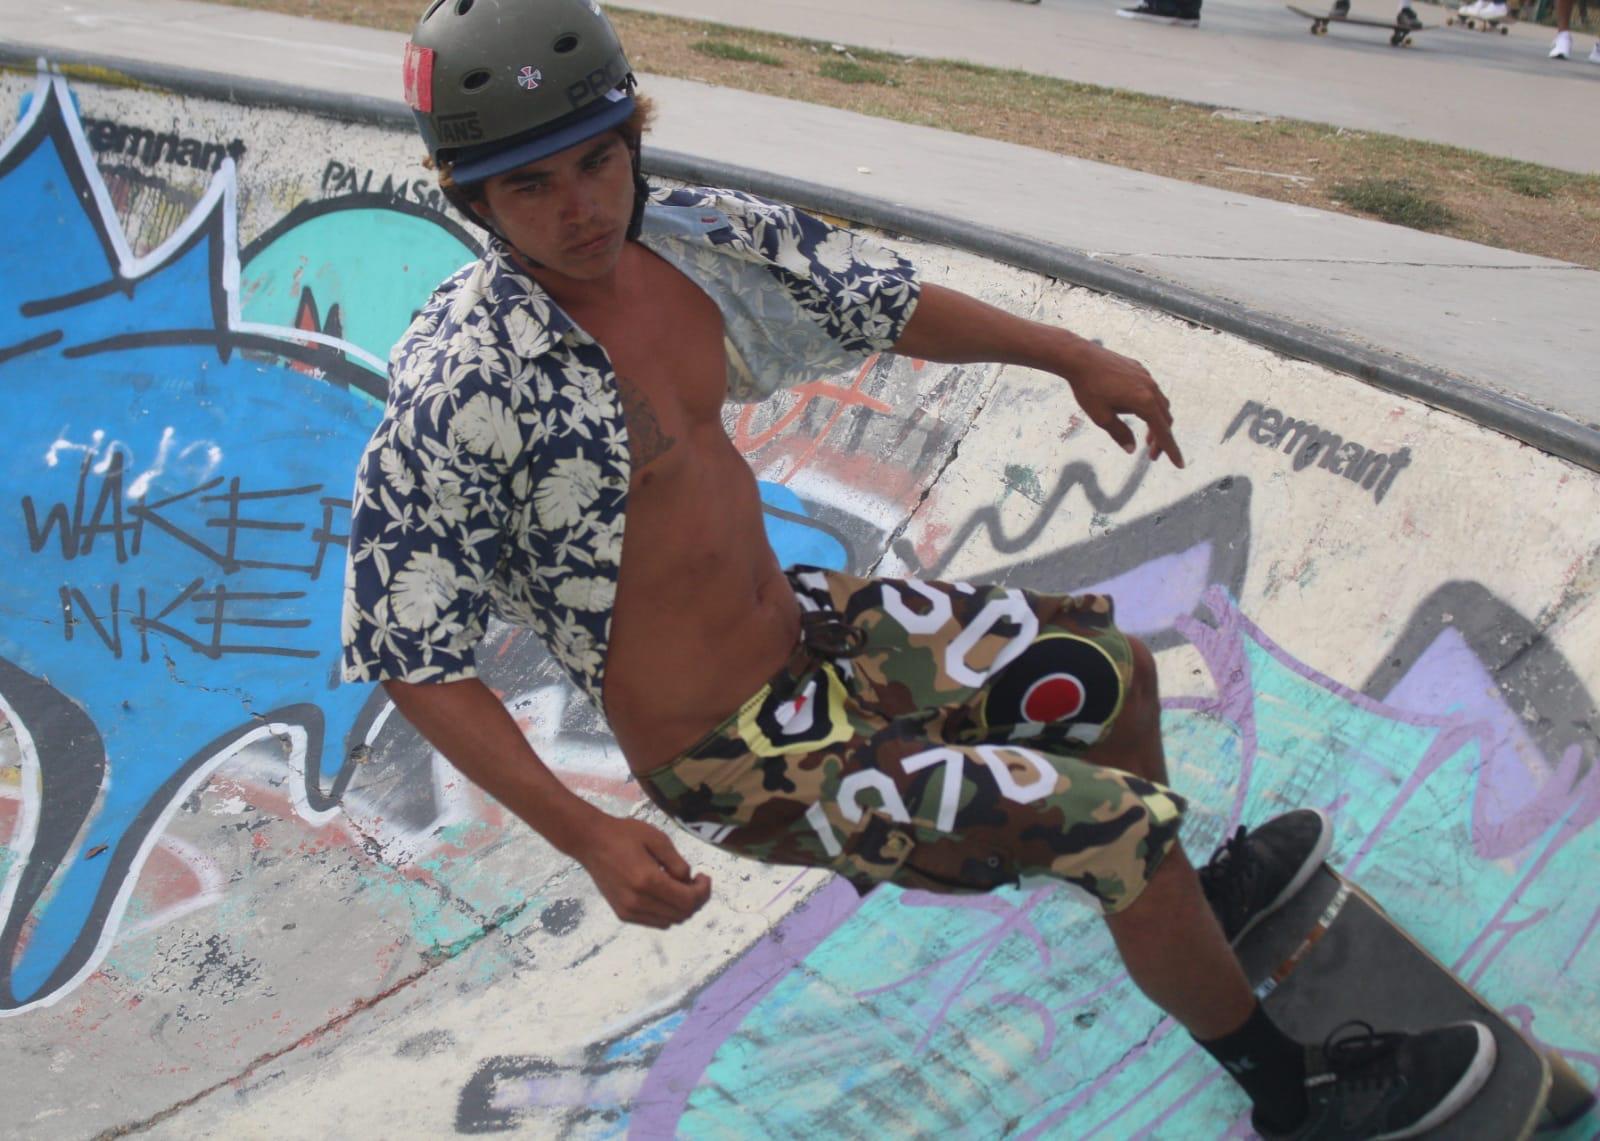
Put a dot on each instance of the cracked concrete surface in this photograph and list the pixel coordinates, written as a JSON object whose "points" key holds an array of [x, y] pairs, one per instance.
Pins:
{"points": [[418, 964]]}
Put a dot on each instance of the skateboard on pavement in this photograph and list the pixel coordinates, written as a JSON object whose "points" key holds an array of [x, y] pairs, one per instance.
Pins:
{"points": [[1400, 36], [1501, 24], [1332, 955]]}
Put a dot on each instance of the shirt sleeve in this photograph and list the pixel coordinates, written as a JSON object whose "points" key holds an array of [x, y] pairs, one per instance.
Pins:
{"points": [[859, 290], [425, 534]]}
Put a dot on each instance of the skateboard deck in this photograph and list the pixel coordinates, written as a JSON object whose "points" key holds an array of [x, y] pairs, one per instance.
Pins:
{"points": [[1399, 37], [1332, 954], [1501, 24]]}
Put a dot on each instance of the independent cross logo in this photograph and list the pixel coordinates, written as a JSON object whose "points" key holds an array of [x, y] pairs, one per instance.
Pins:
{"points": [[530, 77]]}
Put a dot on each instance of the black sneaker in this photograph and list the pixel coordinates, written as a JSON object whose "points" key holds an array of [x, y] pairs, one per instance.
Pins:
{"points": [[1164, 12], [1255, 873], [1365, 1086], [1407, 19], [1340, 9]]}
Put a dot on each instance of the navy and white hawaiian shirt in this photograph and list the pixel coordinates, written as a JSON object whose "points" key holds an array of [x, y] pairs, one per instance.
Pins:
{"points": [[498, 477]]}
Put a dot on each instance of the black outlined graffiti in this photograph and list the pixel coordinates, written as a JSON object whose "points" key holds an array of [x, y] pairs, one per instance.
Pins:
{"points": [[1213, 524], [1331, 452], [154, 147]]}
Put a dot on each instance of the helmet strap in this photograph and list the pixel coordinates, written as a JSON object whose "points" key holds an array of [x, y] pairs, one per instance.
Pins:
{"points": [[641, 191]]}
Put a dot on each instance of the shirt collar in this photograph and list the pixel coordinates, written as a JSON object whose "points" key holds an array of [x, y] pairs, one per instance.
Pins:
{"points": [[660, 222], [516, 282]]}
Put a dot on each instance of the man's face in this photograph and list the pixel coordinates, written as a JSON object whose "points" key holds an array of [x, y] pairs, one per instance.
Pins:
{"points": [[569, 212]]}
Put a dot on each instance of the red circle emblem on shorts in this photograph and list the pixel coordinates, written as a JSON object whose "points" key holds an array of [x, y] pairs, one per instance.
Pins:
{"points": [[1054, 697]]}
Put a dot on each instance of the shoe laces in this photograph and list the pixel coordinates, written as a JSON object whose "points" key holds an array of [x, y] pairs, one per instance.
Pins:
{"points": [[1229, 876], [1358, 1054]]}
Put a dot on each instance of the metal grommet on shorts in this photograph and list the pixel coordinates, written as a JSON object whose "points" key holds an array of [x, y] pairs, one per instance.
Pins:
{"points": [[830, 634], [993, 861]]}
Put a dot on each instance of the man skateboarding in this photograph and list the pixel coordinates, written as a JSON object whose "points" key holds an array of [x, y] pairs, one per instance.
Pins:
{"points": [[553, 451]]}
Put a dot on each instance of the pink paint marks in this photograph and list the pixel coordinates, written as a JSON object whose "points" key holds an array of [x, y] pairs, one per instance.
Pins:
{"points": [[844, 398], [930, 542]]}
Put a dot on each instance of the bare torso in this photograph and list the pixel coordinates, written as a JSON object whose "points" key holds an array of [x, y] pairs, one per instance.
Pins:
{"points": [[703, 614]]}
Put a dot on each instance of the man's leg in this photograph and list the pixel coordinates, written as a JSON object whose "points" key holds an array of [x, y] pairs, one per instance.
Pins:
{"points": [[1173, 946], [1169, 938], [1562, 47], [1175, 951]]}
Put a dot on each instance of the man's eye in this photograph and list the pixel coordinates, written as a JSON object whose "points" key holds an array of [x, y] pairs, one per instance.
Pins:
{"points": [[599, 160]]}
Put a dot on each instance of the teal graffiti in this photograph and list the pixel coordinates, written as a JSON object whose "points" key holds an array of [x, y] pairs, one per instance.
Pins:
{"points": [[365, 264], [1010, 1015]]}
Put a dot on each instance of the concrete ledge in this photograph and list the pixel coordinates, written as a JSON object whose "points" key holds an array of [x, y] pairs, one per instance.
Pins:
{"points": [[1548, 431]]}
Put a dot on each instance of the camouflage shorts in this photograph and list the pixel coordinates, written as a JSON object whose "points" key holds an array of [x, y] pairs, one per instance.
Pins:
{"points": [[926, 733]]}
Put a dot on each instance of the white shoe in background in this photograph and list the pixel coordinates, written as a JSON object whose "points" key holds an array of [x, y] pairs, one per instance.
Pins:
{"points": [[1562, 48]]}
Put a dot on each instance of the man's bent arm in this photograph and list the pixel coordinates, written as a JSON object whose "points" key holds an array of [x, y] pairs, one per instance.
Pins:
{"points": [[953, 328], [633, 863], [466, 722]]}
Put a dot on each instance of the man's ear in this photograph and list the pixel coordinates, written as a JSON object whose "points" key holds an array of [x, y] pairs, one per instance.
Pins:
{"points": [[479, 205]]}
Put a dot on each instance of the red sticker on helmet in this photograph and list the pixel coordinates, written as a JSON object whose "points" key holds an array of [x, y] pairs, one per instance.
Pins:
{"points": [[417, 73]]}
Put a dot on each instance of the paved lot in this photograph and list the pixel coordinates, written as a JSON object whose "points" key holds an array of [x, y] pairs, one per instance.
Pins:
{"points": [[1499, 94]]}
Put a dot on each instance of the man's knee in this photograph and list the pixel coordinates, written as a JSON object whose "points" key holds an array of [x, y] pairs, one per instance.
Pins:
{"points": [[1144, 690]]}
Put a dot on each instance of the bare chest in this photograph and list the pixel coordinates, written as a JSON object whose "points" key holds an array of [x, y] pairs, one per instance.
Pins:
{"points": [[668, 356]]}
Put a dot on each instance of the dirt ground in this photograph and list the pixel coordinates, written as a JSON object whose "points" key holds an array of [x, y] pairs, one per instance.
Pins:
{"points": [[1499, 202]]}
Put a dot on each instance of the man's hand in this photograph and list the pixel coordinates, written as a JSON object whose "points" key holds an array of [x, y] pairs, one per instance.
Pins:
{"points": [[952, 327], [633, 864], [1109, 386], [641, 874]]}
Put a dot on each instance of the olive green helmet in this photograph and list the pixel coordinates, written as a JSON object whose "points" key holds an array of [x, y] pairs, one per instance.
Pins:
{"points": [[497, 84]]}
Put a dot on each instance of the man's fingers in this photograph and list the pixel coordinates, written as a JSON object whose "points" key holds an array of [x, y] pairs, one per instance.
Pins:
{"points": [[652, 908], [1160, 440], [659, 846], [1119, 432], [680, 899]]}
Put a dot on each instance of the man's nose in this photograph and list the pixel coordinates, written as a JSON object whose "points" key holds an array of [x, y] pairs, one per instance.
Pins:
{"points": [[577, 204]]}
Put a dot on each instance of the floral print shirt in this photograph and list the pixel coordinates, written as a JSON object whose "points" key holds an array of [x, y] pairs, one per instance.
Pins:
{"points": [[498, 476]]}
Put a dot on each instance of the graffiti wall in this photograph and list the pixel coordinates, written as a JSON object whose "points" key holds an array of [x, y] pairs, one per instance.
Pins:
{"points": [[233, 890]]}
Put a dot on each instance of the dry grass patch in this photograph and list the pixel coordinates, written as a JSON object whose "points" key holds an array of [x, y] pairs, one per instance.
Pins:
{"points": [[1499, 202]]}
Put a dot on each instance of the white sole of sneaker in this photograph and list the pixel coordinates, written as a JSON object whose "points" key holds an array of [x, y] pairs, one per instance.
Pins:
{"points": [[1175, 21], [1465, 1090], [1301, 877]]}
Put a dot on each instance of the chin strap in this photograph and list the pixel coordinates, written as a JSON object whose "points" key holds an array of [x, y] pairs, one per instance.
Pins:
{"points": [[641, 191]]}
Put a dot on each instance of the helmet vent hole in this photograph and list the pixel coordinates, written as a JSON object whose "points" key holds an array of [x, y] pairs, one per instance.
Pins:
{"points": [[475, 79], [432, 8], [566, 43], [463, 7]]}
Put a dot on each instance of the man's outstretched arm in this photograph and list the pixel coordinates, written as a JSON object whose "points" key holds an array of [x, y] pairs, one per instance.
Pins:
{"points": [[633, 863], [953, 328]]}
